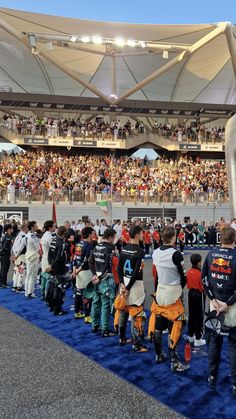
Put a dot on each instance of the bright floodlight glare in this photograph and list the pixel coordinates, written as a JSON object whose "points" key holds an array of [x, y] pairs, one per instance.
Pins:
{"points": [[85, 39], [113, 96], [120, 41], [97, 39], [142, 44], [131, 43], [73, 38], [165, 55]]}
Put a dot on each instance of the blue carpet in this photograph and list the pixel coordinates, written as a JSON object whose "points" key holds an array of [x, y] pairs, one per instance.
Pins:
{"points": [[188, 394]]}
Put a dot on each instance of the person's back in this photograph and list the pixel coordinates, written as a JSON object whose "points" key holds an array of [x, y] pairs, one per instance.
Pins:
{"points": [[219, 282]]}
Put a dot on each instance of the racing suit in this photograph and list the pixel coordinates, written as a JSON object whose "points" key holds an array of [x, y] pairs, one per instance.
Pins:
{"points": [[100, 264], [45, 276], [19, 249], [82, 253], [219, 282], [130, 271], [57, 260], [32, 262], [5, 259], [167, 310]]}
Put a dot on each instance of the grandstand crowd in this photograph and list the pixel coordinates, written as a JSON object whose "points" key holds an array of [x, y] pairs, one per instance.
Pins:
{"points": [[124, 178], [195, 133], [52, 127]]}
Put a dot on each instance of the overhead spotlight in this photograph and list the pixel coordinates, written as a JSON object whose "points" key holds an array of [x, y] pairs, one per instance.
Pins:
{"points": [[97, 39], [32, 40], [120, 42], [49, 45], [85, 39], [131, 43], [34, 51], [73, 38], [165, 55], [142, 44], [113, 96]]}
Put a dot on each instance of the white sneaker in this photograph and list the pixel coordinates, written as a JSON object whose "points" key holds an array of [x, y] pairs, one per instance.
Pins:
{"points": [[199, 342], [191, 339]]}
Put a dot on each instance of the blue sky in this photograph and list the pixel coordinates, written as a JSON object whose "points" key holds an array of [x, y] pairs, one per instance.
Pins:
{"points": [[140, 11]]}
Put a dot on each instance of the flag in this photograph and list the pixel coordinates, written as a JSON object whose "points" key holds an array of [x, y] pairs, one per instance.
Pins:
{"points": [[54, 214], [103, 205]]}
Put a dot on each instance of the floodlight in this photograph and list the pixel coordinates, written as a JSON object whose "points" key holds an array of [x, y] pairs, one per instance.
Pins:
{"points": [[73, 38], [32, 40], [120, 42], [113, 96], [165, 55], [97, 39], [131, 43], [85, 39], [142, 44]]}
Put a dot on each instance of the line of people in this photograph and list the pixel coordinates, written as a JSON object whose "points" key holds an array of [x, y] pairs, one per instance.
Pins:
{"points": [[104, 281]]}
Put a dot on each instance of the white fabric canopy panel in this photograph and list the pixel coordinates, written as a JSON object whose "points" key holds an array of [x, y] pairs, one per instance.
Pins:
{"points": [[192, 63]]}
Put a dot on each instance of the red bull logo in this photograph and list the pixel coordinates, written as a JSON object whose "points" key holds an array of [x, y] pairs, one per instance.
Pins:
{"points": [[221, 262]]}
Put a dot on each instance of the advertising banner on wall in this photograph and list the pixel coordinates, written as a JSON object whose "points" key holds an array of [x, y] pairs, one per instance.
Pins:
{"points": [[151, 215], [18, 214]]}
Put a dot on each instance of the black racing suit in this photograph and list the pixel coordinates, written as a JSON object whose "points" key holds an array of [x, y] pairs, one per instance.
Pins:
{"points": [[5, 258], [131, 266], [57, 260], [81, 260], [219, 282]]}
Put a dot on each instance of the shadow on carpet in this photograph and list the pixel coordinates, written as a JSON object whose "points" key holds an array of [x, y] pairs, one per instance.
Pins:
{"points": [[188, 394]]}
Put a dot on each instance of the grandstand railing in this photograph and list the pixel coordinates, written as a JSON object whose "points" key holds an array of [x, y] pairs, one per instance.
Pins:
{"points": [[126, 197], [168, 135]]}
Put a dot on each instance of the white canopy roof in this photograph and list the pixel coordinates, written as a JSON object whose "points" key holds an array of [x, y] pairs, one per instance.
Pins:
{"points": [[56, 55]]}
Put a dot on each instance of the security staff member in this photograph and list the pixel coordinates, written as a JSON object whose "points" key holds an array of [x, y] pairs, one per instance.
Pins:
{"points": [[5, 254], [33, 252], [219, 282], [100, 263]]}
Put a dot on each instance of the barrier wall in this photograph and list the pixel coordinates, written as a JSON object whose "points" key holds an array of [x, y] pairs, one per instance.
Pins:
{"points": [[148, 213]]}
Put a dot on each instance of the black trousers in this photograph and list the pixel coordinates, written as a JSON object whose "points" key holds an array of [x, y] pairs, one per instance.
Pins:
{"points": [[5, 265], [195, 307], [214, 353], [55, 295], [189, 237]]}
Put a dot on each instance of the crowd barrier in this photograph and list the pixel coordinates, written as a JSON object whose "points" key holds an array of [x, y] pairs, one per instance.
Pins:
{"points": [[70, 196]]}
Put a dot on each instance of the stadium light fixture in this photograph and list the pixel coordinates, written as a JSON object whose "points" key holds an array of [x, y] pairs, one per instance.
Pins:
{"points": [[97, 39], [113, 96], [131, 43], [165, 55], [32, 40], [142, 44], [85, 39], [120, 42], [73, 38]]}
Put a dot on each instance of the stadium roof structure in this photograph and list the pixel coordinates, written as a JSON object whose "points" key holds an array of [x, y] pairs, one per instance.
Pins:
{"points": [[43, 54]]}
